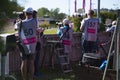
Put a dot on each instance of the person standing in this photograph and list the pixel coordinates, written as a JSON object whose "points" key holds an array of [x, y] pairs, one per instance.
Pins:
{"points": [[27, 30], [89, 27], [38, 47], [66, 36], [112, 28]]}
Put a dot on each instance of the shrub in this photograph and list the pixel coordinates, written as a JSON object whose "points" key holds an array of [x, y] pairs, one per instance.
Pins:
{"points": [[44, 25]]}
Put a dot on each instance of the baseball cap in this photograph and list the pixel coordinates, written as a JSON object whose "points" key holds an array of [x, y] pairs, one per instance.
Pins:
{"points": [[28, 10], [114, 22], [66, 21]]}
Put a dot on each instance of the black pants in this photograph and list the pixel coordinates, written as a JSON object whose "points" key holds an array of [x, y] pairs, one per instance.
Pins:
{"points": [[37, 57], [89, 46]]}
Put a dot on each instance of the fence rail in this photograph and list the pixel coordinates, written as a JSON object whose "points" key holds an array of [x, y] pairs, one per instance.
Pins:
{"points": [[15, 61]]}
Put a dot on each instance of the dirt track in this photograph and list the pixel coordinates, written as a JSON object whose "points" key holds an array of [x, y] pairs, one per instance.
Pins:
{"points": [[92, 73]]}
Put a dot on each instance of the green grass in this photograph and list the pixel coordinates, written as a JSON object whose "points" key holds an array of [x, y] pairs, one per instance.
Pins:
{"points": [[50, 31], [47, 31]]}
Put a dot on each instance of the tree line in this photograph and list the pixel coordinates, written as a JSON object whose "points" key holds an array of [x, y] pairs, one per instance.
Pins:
{"points": [[6, 9], [8, 6]]}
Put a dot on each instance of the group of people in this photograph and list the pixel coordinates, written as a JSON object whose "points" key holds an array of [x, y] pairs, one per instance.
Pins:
{"points": [[29, 42], [27, 35], [90, 27]]}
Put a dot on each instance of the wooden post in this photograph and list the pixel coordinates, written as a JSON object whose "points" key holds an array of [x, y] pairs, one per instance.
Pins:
{"points": [[117, 46]]}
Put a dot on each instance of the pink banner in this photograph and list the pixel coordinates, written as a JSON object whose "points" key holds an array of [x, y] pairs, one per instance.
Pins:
{"points": [[91, 30], [75, 6], [83, 6], [66, 42], [90, 4], [29, 40]]}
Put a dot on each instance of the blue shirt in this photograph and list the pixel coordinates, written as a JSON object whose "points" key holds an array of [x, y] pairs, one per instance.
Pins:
{"points": [[62, 30]]}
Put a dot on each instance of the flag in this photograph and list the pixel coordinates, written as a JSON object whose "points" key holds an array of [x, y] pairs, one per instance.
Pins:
{"points": [[90, 4], [75, 6], [83, 6]]}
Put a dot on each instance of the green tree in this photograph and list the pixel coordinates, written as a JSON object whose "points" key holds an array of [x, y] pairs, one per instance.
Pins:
{"points": [[61, 16], [53, 13], [8, 6], [80, 10], [77, 23], [43, 11], [107, 15], [6, 10]]}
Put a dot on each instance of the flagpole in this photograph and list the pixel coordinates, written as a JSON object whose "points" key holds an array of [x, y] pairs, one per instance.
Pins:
{"points": [[75, 6], [83, 6], [98, 10], [90, 4]]}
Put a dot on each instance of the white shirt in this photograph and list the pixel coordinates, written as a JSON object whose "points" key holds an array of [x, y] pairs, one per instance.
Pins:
{"points": [[90, 28]]}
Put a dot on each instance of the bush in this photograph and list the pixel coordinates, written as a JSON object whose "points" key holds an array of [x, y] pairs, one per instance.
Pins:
{"points": [[44, 25], [102, 27], [76, 21]]}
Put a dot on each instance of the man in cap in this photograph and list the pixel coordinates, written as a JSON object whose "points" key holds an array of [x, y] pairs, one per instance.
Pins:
{"points": [[27, 30]]}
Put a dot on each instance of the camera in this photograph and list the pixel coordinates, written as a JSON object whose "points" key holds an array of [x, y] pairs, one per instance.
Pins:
{"points": [[21, 15], [59, 24]]}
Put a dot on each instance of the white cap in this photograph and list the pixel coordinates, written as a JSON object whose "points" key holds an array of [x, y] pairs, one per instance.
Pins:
{"points": [[28, 10], [114, 22], [66, 21]]}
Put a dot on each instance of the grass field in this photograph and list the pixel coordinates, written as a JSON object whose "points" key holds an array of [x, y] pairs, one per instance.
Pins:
{"points": [[47, 31], [50, 31]]}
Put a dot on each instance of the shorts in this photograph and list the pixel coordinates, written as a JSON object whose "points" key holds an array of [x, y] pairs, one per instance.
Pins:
{"points": [[23, 55], [27, 56]]}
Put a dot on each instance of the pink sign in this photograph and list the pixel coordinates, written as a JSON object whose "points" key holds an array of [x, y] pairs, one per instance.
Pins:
{"points": [[29, 40], [91, 30]]}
